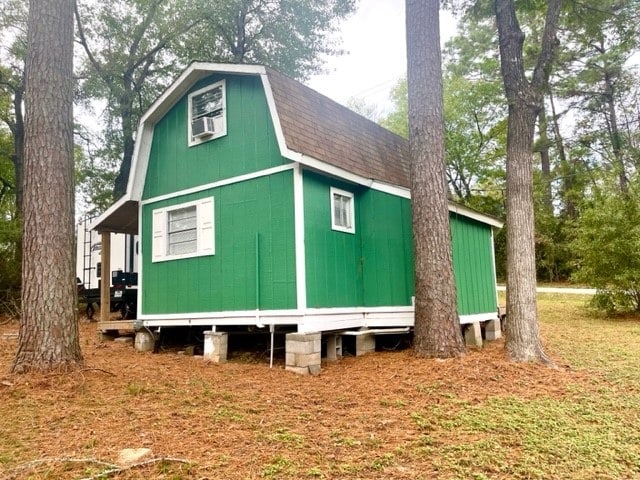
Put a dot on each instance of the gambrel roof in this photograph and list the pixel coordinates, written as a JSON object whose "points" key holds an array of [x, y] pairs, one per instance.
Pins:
{"points": [[311, 129], [325, 130]]}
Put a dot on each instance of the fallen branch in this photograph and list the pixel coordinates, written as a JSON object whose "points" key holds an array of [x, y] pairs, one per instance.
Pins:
{"points": [[116, 469]]}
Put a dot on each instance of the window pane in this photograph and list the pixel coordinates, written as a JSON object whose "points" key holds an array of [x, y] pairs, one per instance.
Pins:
{"points": [[337, 209], [346, 212], [184, 236], [341, 210], [180, 213], [182, 219], [182, 231], [208, 103], [182, 224], [182, 248]]}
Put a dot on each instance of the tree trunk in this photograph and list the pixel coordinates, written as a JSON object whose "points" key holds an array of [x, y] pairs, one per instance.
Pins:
{"points": [[437, 326], [128, 142], [545, 162], [616, 137], [521, 333], [568, 168], [18, 143], [48, 329], [522, 337]]}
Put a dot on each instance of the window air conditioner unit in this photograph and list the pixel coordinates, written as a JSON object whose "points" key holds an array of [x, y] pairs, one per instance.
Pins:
{"points": [[203, 127]]}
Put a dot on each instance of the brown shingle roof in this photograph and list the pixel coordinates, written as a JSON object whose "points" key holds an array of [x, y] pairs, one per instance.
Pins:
{"points": [[317, 126]]}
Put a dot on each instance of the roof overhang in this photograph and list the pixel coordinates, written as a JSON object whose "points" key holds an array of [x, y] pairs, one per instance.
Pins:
{"points": [[475, 215], [121, 217]]}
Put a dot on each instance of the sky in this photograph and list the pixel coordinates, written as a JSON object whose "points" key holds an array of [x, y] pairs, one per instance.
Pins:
{"points": [[374, 38]]}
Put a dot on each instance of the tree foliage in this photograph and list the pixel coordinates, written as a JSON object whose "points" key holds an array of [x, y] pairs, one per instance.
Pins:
{"points": [[10, 230], [592, 88], [599, 38], [607, 246], [475, 136], [13, 21], [291, 36]]}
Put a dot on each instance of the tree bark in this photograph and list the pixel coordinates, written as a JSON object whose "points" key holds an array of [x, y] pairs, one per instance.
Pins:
{"points": [[545, 161], [48, 337], [437, 326], [568, 168], [616, 137], [18, 143], [522, 336]]}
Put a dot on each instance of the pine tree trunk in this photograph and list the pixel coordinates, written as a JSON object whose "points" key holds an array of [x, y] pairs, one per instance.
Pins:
{"points": [[545, 161], [18, 143], [437, 326], [616, 137], [48, 329], [568, 169], [522, 336]]}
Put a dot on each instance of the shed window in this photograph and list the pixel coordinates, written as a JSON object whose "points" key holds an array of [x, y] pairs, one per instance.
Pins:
{"points": [[182, 236], [342, 211], [182, 231], [207, 114]]}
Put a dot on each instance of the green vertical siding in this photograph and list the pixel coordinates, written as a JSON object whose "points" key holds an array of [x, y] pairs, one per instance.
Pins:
{"points": [[250, 144], [333, 259], [227, 280], [374, 266], [387, 249], [473, 265]]}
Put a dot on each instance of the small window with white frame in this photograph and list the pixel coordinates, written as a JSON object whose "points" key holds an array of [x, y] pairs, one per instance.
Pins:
{"points": [[207, 113], [342, 211], [183, 231]]}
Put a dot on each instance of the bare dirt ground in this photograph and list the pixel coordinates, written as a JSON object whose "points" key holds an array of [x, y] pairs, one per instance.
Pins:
{"points": [[360, 418]]}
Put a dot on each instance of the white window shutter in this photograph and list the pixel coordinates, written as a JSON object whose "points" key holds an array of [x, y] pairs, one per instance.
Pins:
{"points": [[206, 231], [159, 227]]}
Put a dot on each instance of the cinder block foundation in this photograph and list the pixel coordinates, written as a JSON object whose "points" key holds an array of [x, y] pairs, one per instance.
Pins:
{"points": [[334, 348], [302, 352], [365, 343], [473, 335], [492, 330], [144, 342], [215, 346]]}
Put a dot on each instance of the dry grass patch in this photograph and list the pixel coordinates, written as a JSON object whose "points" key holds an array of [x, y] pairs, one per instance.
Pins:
{"points": [[384, 415]]}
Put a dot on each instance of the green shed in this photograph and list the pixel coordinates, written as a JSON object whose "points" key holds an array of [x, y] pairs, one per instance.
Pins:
{"points": [[259, 201]]}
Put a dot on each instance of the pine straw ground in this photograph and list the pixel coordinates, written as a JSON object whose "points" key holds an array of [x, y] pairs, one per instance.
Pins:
{"points": [[384, 415]]}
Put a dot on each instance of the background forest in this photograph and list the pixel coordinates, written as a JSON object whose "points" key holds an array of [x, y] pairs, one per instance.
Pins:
{"points": [[588, 134]]}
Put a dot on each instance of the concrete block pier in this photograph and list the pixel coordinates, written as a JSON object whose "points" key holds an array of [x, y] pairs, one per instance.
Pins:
{"points": [[302, 352]]}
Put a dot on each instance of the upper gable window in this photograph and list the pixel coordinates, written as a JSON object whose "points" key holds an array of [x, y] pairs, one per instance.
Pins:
{"points": [[207, 113], [342, 211]]}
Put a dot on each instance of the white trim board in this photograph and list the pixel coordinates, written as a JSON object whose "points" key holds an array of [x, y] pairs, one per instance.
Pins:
{"points": [[309, 320], [300, 249], [220, 183]]}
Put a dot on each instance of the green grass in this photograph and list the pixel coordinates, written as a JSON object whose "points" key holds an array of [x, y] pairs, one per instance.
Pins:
{"points": [[589, 433]]}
